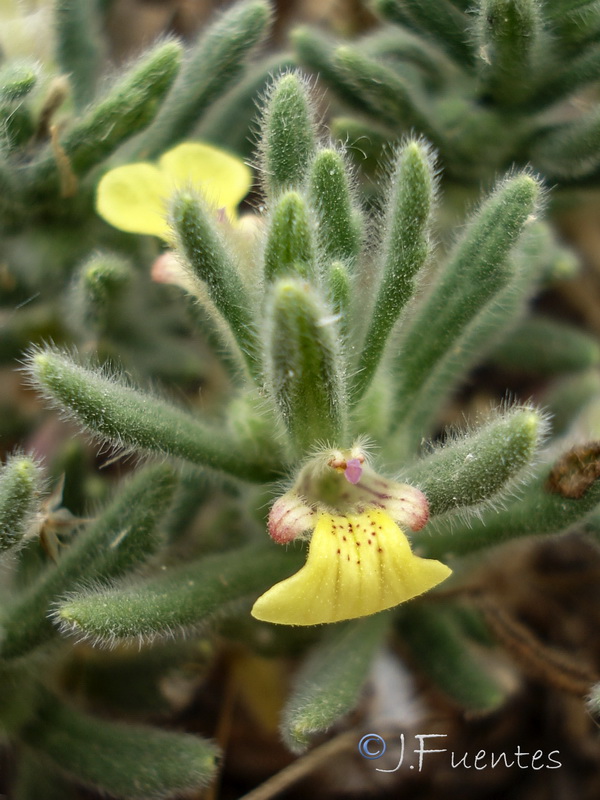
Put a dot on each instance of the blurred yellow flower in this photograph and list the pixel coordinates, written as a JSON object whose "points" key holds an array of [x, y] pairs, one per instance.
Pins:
{"points": [[24, 30], [135, 197], [358, 564]]}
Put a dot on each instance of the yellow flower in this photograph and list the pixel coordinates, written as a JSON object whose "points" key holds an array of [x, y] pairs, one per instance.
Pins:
{"points": [[358, 564], [24, 28], [359, 559], [134, 197]]}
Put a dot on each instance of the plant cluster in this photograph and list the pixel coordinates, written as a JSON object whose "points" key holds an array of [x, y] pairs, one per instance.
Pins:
{"points": [[489, 83], [340, 333]]}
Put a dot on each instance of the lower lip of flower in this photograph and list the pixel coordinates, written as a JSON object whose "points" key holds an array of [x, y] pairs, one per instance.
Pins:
{"points": [[357, 564]]}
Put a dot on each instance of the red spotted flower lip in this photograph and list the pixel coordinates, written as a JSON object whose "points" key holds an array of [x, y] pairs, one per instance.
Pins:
{"points": [[359, 559]]}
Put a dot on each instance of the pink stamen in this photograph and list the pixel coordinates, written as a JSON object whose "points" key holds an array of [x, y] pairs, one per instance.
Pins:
{"points": [[353, 470]]}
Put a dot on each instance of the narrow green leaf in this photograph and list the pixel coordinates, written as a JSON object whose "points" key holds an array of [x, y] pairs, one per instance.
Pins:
{"points": [[123, 416], [340, 294], [510, 35], [99, 285], [20, 490], [303, 365], [17, 127], [315, 52], [441, 22], [575, 21], [534, 257], [289, 249], [17, 79], [544, 346], [132, 762], [403, 48], [211, 263], [288, 137], [339, 235], [210, 69], [126, 108], [384, 93], [569, 150], [538, 511], [78, 50], [433, 636], [404, 252], [183, 597], [480, 466], [225, 123], [121, 538], [560, 8], [394, 11], [479, 267], [329, 682]]}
